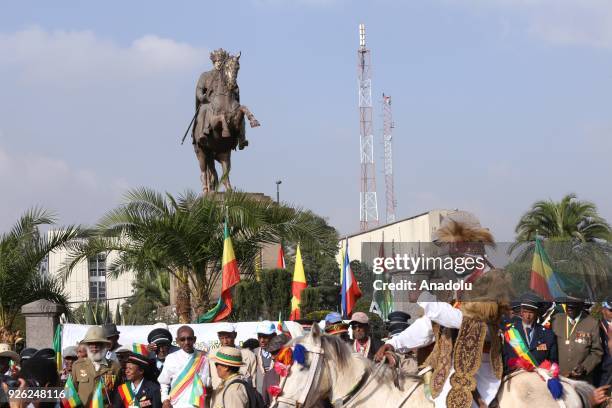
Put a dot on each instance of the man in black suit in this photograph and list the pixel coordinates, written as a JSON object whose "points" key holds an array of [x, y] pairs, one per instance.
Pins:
{"points": [[541, 342], [363, 342], [137, 390]]}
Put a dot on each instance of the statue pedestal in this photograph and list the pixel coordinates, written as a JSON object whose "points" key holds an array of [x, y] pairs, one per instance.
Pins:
{"points": [[42, 317], [267, 255], [256, 196]]}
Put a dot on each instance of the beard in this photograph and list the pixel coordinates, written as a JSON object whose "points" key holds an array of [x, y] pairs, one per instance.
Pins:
{"points": [[97, 356]]}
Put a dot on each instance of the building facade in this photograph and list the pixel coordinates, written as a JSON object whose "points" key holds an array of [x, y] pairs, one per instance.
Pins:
{"points": [[407, 236], [89, 282]]}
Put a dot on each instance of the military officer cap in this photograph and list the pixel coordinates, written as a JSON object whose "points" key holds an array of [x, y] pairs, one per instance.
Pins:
{"points": [[159, 335], [530, 301]]}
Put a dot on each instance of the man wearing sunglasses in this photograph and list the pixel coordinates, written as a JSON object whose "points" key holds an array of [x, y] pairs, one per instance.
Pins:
{"points": [[179, 365], [363, 342]]}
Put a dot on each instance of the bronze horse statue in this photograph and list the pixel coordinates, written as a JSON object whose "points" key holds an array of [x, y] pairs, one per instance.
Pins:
{"points": [[219, 121]]}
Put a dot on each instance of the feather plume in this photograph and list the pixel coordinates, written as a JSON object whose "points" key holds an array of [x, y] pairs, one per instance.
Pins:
{"points": [[454, 231]]}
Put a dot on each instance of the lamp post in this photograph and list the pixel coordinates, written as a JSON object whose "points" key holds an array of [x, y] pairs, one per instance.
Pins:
{"points": [[278, 183]]}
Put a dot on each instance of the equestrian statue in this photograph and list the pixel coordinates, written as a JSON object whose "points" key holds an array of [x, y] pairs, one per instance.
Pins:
{"points": [[218, 123]]}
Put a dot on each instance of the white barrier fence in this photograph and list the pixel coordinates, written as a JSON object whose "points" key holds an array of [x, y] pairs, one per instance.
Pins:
{"points": [[206, 333]]}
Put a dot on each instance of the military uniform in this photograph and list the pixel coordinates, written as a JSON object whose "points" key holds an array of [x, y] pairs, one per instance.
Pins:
{"points": [[86, 377], [147, 394], [542, 343], [578, 344]]}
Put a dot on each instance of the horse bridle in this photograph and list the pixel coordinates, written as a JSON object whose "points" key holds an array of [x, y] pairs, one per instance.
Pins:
{"points": [[314, 372]]}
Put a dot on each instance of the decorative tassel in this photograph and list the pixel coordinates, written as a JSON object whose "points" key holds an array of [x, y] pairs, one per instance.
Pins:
{"points": [[285, 356], [555, 387], [520, 363], [299, 354], [281, 369], [274, 390]]}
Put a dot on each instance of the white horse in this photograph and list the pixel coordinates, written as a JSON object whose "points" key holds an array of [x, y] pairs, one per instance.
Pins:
{"points": [[527, 388], [332, 372]]}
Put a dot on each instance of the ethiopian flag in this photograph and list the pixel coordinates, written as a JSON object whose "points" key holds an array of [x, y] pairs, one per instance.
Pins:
{"points": [[544, 281], [71, 396], [97, 400], [141, 349], [57, 347], [198, 393], [230, 277], [298, 285]]}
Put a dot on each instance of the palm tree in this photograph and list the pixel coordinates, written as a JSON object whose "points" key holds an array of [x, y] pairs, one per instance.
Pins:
{"points": [[22, 249], [576, 238], [183, 236], [150, 295], [568, 219]]}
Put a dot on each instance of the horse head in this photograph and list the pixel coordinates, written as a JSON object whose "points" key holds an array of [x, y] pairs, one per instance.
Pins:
{"points": [[231, 68], [328, 370]]}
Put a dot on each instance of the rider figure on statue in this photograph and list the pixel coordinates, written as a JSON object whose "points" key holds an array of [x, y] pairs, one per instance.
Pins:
{"points": [[210, 85]]}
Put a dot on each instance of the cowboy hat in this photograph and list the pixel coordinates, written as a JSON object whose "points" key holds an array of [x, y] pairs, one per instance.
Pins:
{"points": [[5, 351], [95, 334]]}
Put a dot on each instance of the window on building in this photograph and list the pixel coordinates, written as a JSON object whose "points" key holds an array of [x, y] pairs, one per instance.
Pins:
{"points": [[97, 277]]}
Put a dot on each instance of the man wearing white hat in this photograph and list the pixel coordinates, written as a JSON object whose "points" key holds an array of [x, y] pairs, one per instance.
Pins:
{"points": [[226, 332], [87, 372], [69, 354], [266, 330]]}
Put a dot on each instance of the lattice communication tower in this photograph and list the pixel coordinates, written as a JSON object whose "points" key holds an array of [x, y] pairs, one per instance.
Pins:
{"points": [[368, 213], [388, 149]]}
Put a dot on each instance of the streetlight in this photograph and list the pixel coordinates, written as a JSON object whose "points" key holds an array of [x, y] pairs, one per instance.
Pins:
{"points": [[278, 183]]}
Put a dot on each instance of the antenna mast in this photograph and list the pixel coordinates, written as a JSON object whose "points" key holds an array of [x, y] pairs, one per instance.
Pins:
{"points": [[388, 126], [368, 204]]}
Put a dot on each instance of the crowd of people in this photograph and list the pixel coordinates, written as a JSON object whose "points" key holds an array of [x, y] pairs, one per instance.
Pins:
{"points": [[179, 376]]}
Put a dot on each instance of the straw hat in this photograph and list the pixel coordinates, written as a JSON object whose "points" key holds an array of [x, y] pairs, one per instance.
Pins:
{"points": [[5, 351], [229, 356], [95, 334]]}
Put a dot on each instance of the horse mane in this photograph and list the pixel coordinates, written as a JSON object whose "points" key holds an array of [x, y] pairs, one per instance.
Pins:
{"points": [[337, 349], [334, 348], [582, 388]]}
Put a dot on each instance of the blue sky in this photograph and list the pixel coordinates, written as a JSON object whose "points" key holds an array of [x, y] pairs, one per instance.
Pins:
{"points": [[496, 103]]}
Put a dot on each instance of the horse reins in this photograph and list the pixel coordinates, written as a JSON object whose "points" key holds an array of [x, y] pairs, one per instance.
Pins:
{"points": [[339, 402], [313, 373]]}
